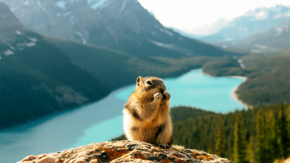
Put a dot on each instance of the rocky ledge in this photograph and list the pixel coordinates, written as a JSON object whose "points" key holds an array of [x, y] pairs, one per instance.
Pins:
{"points": [[125, 151]]}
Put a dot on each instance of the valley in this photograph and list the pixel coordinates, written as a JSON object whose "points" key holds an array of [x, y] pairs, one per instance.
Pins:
{"points": [[102, 120], [57, 74], [68, 66]]}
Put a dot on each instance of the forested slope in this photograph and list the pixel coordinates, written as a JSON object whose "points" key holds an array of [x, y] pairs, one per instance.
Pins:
{"points": [[263, 132], [267, 76]]}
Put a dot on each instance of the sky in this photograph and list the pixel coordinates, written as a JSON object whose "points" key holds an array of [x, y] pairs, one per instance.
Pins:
{"points": [[192, 15]]}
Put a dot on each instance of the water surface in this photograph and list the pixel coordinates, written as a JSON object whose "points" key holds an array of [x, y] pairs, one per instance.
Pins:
{"points": [[199, 90], [102, 120]]}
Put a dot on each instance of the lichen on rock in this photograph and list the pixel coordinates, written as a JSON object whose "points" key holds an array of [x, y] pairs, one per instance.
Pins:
{"points": [[125, 151]]}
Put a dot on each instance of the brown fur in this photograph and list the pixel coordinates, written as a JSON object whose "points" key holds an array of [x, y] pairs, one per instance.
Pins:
{"points": [[146, 113]]}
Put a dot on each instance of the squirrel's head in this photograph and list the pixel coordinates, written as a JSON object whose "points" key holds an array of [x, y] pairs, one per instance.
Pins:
{"points": [[148, 86]]}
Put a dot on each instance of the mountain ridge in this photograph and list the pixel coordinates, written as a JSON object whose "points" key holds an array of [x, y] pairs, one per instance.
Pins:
{"points": [[274, 39], [252, 22], [42, 75], [132, 30]]}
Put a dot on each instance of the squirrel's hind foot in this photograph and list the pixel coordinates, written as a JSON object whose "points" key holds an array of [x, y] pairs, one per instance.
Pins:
{"points": [[164, 146]]}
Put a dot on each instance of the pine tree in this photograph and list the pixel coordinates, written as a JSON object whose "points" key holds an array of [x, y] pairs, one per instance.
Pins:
{"points": [[220, 144], [239, 145], [261, 150], [271, 142], [288, 117], [283, 140], [274, 141], [251, 149]]}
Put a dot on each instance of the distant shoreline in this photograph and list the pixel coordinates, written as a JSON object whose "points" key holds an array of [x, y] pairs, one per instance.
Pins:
{"points": [[234, 95]]}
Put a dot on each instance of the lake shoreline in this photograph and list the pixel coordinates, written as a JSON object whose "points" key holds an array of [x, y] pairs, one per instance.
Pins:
{"points": [[236, 97], [93, 122], [233, 93]]}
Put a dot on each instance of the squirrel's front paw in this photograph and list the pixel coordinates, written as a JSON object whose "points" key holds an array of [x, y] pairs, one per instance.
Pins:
{"points": [[158, 96], [166, 96]]}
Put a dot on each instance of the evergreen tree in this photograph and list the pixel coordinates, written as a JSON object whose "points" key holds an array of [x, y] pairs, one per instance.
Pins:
{"points": [[251, 149], [261, 122], [209, 149], [275, 151], [288, 119], [271, 142], [261, 150], [220, 143], [283, 139], [239, 145]]}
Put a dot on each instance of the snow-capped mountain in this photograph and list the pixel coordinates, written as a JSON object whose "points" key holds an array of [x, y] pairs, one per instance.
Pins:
{"points": [[13, 35], [188, 35], [203, 31], [253, 22], [37, 76], [123, 25], [210, 29], [273, 39]]}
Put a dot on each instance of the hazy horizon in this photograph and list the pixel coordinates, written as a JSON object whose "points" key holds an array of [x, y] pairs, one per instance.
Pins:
{"points": [[190, 16]]}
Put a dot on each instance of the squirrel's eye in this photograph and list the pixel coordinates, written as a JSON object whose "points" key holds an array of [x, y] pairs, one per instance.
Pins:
{"points": [[148, 82]]}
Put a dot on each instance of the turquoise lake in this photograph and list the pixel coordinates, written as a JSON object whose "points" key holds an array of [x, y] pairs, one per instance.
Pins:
{"points": [[199, 90], [102, 120]]}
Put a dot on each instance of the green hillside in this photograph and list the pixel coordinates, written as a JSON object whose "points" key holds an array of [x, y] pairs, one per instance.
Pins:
{"points": [[264, 132], [268, 82], [224, 67], [40, 80], [58, 74], [47, 74], [260, 125], [267, 76], [42, 75], [116, 69]]}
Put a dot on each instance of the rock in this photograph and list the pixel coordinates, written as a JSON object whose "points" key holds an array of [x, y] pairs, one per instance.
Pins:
{"points": [[125, 151], [48, 159], [29, 158]]}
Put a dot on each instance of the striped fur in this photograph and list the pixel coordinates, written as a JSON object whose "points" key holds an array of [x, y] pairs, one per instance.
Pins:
{"points": [[146, 113]]}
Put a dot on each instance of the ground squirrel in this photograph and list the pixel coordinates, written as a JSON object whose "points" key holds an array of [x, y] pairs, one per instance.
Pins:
{"points": [[146, 113]]}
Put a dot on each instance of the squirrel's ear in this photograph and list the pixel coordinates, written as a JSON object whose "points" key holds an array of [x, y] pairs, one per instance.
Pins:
{"points": [[139, 79]]}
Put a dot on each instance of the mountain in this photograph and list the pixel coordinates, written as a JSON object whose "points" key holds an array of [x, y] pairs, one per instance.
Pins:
{"points": [[122, 25], [253, 22], [36, 77], [41, 75], [12, 31], [211, 29], [273, 39], [203, 31], [185, 34]]}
